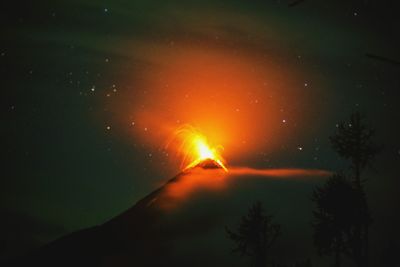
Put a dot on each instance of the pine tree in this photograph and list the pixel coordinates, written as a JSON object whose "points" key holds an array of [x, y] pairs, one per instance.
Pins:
{"points": [[334, 217], [353, 141], [255, 236]]}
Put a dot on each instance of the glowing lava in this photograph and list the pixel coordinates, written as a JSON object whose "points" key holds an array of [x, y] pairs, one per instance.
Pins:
{"points": [[204, 152], [195, 148]]}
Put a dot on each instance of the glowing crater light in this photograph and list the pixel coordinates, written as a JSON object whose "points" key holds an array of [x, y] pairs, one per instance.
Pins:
{"points": [[195, 148]]}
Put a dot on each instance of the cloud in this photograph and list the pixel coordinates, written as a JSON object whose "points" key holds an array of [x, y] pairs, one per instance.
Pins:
{"points": [[279, 173]]}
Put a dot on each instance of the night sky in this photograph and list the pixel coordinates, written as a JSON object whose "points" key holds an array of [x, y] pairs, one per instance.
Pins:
{"points": [[91, 91]]}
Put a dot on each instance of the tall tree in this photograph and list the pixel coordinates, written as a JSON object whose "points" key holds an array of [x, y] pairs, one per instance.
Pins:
{"points": [[353, 141], [334, 217], [255, 235]]}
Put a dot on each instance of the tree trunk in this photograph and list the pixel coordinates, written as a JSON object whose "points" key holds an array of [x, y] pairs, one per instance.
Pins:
{"points": [[357, 174], [366, 246], [260, 259], [358, 246], [337, 258]]}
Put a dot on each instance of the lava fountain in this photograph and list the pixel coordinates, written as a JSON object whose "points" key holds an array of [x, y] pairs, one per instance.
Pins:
{"points": [[195, 148]]}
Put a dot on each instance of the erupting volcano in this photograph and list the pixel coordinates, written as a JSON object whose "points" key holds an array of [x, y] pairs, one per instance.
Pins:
{"points": [[195, 148]]}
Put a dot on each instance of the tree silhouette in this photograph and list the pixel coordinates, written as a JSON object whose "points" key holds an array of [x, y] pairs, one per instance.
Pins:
{"points": [[255, 236], [353, 141], [336, 216]]}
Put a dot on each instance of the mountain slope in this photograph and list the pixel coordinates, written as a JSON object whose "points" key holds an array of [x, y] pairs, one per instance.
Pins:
{"points": [[129, 239]]}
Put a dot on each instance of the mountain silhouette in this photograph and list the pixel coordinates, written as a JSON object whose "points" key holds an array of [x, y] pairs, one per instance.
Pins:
{"points": [[137, 237]]}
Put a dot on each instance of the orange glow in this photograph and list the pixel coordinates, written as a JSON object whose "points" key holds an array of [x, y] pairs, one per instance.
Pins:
{"points": [[246, 100], [195, 148]]}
